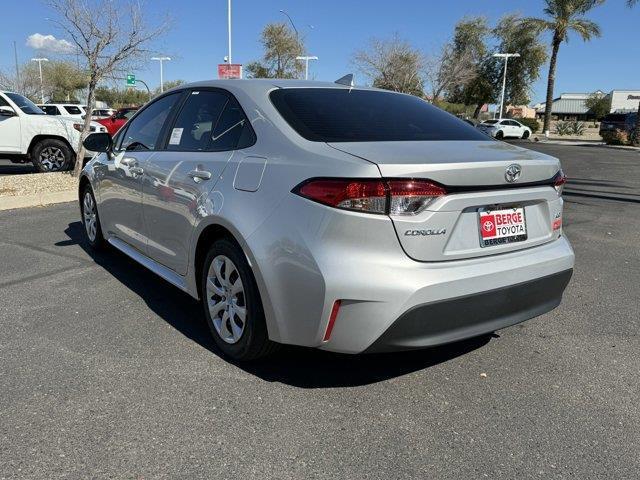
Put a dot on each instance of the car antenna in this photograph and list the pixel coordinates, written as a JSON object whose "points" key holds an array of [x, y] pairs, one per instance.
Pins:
{"points": [[346, 80]]}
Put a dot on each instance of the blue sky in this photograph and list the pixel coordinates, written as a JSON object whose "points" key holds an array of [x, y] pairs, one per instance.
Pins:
{"points": [[198, 39]]}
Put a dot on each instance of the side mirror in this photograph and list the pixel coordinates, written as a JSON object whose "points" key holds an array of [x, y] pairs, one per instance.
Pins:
{"points": [[99, 142], [7, 112]]}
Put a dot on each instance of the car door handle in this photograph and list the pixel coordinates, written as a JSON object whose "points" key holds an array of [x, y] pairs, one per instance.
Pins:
{"points": [[199, 175]]}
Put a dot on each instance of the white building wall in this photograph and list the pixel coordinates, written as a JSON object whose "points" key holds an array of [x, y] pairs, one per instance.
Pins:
{"points": [[625, 100]]}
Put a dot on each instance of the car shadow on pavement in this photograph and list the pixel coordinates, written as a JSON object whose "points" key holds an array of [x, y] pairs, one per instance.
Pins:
{"points": [[295, 366]]}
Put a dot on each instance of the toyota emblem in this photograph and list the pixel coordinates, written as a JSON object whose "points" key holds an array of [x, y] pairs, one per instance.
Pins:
{"points": [[488, 226], [512, 173]]}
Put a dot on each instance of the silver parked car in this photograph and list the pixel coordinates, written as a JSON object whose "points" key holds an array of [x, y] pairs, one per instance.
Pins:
{"points": [[318, 214]]}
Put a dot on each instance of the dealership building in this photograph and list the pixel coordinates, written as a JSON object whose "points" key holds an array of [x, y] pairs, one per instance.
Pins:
{"points": [[572, 106]]}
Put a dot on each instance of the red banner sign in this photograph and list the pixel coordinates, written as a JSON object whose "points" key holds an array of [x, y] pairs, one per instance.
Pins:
{"points": [[229, 70]]}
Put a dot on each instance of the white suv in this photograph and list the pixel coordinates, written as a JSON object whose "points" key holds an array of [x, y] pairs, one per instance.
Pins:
{"points": [[28, 135], [503, 128], [63, 109]]}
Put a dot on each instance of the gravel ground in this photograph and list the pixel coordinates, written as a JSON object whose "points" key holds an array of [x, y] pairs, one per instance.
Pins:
{"points": [[32, 183], [106, 371]]}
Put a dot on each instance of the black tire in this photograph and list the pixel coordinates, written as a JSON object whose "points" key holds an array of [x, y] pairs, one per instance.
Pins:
{"points": [[97, 242], [499, 135], [52, 155], [525, 135], [254, 341]]}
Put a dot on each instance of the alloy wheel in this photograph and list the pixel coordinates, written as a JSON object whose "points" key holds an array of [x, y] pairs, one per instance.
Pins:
{"points": [[90, 216], [226, 299], [52, 159]]}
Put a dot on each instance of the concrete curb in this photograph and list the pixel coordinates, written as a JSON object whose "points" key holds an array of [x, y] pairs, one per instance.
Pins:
{"points": [[38, 199]]}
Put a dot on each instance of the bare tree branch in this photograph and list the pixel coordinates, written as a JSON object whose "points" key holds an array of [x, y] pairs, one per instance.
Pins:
{"points": [[107, 38]]}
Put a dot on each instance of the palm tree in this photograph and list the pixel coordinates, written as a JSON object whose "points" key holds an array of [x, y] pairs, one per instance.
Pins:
{"points": [[636, 137], [563, 16]]}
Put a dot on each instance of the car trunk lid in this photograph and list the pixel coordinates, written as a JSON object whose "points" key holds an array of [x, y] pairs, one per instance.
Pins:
{"points": [[474, 175]]}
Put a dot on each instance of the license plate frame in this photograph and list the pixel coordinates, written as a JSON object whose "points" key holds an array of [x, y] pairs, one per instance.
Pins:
{"points": [[506, 239]]}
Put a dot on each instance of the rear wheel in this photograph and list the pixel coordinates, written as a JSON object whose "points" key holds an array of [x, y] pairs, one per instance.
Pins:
{"points": [[525, 135], [232, 303], [51, 155], [499, 134]]}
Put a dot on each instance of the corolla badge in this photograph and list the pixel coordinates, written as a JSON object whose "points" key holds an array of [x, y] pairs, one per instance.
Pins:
{"points": [[513, 173], [425, 233]]}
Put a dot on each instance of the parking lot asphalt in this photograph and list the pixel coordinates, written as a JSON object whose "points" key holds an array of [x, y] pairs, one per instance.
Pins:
{"points": [[106, 371], [9, 168]]}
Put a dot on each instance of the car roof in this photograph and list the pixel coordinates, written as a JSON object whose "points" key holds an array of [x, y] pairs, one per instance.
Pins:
{"points": [[257, 85]]}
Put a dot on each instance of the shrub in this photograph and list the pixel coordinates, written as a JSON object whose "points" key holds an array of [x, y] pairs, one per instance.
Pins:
{"points": [[532, 123], [563, 128], [577, 128], [615, 137]]}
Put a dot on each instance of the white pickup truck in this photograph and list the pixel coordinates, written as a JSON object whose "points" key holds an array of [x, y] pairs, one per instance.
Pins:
{"points": [[28, 135]]}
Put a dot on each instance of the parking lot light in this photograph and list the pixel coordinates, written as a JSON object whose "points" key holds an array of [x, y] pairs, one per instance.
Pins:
{"points": [[40, 60]]}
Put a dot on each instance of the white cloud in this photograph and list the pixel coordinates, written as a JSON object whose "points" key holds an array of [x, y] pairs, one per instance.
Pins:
{"points": [[49, 43]]}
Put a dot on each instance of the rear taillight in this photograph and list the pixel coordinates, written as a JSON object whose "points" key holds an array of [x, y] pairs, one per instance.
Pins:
{"points": [[558, 181], [409, 197], [382, 196]]}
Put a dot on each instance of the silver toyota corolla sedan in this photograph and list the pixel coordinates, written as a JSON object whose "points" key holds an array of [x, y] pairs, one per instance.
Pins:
{"points": [[319, 214]]}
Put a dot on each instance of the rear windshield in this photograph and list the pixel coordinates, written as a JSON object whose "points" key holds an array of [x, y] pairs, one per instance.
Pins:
{"points": [[343, 115], [614, 117], [490, 122]]}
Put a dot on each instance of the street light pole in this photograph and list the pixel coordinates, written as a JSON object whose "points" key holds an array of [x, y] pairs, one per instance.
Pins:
{"points": [[306, 59], [161, 59], [229, 28], [504, 75], [291, 21], [40, 60]]}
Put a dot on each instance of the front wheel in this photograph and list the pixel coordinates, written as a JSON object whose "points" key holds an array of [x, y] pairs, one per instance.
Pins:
{"points": [[232, 304], [525, 135], [90, 219]]}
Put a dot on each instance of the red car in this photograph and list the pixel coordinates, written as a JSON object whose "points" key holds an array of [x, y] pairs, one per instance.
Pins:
{"points": [[118, 119]]}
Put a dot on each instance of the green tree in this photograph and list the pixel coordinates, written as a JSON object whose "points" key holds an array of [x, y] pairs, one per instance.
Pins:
{"points": [[514, 37], [392, 64], [169, 85], [509, 35], [599, 104], [562, 17], [281, 47], [62, 80]]}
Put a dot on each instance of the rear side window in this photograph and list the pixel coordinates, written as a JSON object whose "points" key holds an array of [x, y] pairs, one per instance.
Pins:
{"points": [[210, 120], [72, 109], [194, 126], [233, 131], [50, 109], [143, 132], [343, 115]]}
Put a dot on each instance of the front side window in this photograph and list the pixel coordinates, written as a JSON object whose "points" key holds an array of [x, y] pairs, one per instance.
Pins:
{"points": [[143, 132], [350, 115], [24, 104], [193, 128]]}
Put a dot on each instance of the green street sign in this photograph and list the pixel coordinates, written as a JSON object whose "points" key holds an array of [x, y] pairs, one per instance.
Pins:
{"points": [[131, 80]]}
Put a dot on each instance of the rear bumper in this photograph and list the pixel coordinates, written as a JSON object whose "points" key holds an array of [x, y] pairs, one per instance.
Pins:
{"points": [[472, 315]]}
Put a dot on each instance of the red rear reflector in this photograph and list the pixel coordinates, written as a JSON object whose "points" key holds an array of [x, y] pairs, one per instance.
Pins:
{"points": [[332, 320]]}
